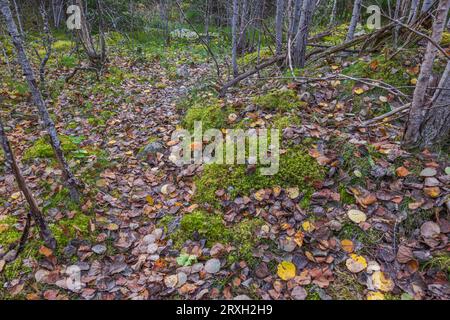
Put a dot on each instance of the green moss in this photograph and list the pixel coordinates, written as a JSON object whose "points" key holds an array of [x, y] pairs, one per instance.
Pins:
{"points": [[165, 221], [313, 294], [62, 45], [212, 228], [296, 168], [10, 234], [211, 114], [279, 100], [41, 148], [67, 229], [445, 39], [358, 162], [345, 287], [284, 121], [346, 198], [251, 58], [353, 232], [208, 226], [441, 262]]}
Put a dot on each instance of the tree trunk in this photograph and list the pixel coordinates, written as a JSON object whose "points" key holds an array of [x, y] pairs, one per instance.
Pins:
{"points": [[234, 27], [19, 20], [426, 5], [298, 58], [279, 26], [296, 17], [36, 213], [396, 17], [355, 18], [57, 8], [333, 13], [69, 179], [84, 35], [413, 11], [436, 126], [418, 111]]}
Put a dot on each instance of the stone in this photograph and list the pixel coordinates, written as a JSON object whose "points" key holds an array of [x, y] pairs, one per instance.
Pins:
{"points": [[212, 266], [150, 150]]}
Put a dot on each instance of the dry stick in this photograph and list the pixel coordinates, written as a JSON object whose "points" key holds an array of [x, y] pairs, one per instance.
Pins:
{"points": [[386, 115], [69, 179], [208, 48], [25, 234], [45, 233]]}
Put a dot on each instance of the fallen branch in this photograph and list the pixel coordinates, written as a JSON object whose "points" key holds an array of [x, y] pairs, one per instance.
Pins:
{"points": [[74, 72], [386, 115], [249, 73]]}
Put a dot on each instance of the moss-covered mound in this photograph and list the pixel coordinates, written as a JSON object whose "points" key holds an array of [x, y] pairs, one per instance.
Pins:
{"points": [[211, 114], [279, 100], [211, 227], [296, 168]]}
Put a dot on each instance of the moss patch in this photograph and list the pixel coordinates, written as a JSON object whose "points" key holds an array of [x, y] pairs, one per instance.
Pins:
{"points": [[279, 100], [67, 229], [212, 228], [41, 148], [8, 232], [211, 114], [297, 168]]}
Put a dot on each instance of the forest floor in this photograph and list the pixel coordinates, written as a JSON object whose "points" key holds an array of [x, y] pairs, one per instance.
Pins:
{"points": [[350, 215]]}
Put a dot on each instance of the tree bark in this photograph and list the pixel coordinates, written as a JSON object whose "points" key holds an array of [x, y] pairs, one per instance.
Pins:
{"points": [[333, 13], [69, 179], [396, 17], [36, 213], [426, 5], [298, 57], [413, 11], [355, 18], [418, 112], [279, 26], [436, 126], [234, 31]]}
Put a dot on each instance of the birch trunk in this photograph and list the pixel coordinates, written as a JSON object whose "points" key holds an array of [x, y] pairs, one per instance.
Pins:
{"points": [[396, 17], [426, 5], [418, 111], [234, 27], [279, 26], [69, 179], [355, 18], [36, 213]]}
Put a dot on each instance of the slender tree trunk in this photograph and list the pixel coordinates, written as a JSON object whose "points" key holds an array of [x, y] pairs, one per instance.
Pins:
{"points": [[57, 8], [19, 20], [296, 17], [413, 11], [426, 5], [333, 13], [355, 18], [234, 27], [207, 19], [418, 111], [436, 126], [47, 41], [396, 17], [298, 58], [279, 26], [242, 41], [36, 213], [69, 179]]}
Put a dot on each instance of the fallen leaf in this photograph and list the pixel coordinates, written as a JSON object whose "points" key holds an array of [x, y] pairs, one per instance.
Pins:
{"points": [[347, 245], [375, 295], [357, 216], [382, 282], [355, 263], [402, 172], [286, 270], [45, 251]]}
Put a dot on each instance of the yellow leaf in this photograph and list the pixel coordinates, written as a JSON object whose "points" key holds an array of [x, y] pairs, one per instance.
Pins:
{"points": [[382, 282], [298, 238], [432, 192], [357, 216], [375, 296], [16, 195], [308, 226], [414, 81], [358, 91], [347, 245], [356, 263], [3, 227], [150, 200], [286, 270]]}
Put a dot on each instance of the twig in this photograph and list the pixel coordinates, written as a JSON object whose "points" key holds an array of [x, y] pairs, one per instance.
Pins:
{"points": [[386, 115]]}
